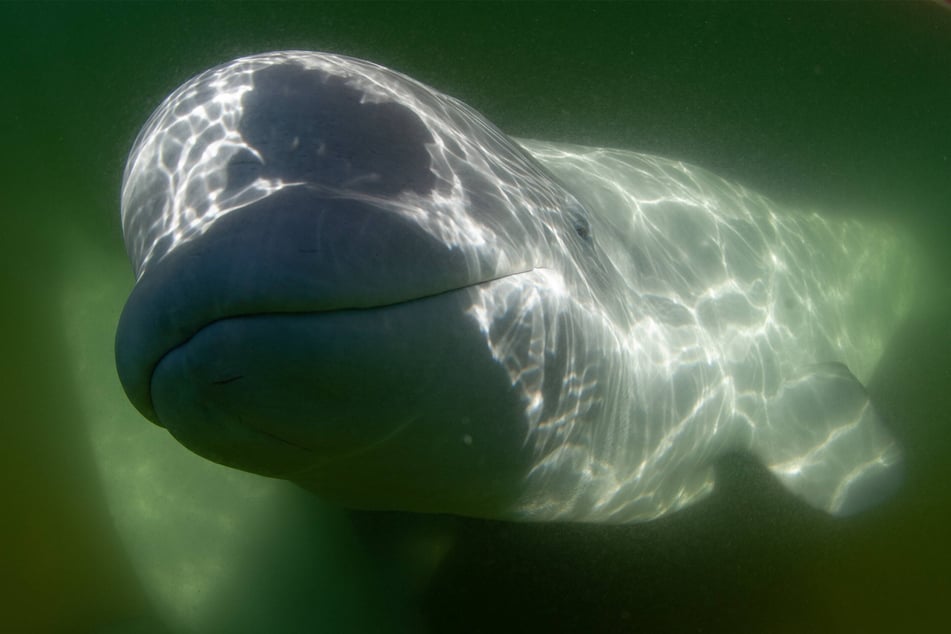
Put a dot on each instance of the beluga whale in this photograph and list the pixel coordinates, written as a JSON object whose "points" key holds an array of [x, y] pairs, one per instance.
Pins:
{"points": [[349, 280]]}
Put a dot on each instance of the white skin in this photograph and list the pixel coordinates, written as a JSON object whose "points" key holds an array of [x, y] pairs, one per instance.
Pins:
{"points": [[635, 317]]}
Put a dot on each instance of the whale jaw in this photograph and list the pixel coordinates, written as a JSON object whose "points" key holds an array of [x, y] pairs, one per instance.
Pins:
{"points": [[395, 407]]}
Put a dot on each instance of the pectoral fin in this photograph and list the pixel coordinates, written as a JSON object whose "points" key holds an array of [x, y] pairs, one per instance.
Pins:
{"points": [[824, 441]]}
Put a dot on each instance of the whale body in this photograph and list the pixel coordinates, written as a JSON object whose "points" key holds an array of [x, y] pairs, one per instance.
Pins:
{"points": [[349, 280]]}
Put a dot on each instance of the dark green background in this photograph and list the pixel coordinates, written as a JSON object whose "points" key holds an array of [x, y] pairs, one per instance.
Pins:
{"points": [[835, 106]]}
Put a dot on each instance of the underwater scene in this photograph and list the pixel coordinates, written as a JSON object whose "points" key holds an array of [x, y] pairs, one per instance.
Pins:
{"points": [[475, 317]]}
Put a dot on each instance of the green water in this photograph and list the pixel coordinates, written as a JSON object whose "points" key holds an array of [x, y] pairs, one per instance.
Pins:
{"points": [[840, 107]]}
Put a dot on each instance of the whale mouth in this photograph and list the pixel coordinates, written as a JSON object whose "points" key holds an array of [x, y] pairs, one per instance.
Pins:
{"points": [[284, 393], [295, 252]]}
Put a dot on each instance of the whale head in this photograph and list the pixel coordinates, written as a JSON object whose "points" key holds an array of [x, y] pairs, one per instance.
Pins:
{"points": [[327, 257]]}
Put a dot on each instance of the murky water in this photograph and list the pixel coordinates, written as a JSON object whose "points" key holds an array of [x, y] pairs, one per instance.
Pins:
{"points": [[109, 523]]}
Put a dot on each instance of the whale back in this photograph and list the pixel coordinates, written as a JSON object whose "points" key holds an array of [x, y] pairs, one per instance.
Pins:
{"points": [[747, 326]]}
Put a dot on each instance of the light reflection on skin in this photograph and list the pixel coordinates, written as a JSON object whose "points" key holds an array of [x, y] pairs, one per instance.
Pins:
{"points": [[730, 303], [687, 320], [175, 184]]}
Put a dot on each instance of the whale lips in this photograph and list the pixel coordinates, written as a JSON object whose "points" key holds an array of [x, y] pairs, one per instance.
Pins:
{"points": [[296, 251]]}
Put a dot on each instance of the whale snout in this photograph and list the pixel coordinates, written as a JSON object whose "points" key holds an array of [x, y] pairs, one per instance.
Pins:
{"points": [[278, 393], [295, 252], [330, 342], [377, 406]]}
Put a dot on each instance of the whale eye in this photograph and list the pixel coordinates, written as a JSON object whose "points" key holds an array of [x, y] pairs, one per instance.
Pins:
{"points": [[582, 228], [578, 216]]}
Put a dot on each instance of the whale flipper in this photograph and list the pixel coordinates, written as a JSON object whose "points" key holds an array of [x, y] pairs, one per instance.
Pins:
{"points": [[822, 438]]}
